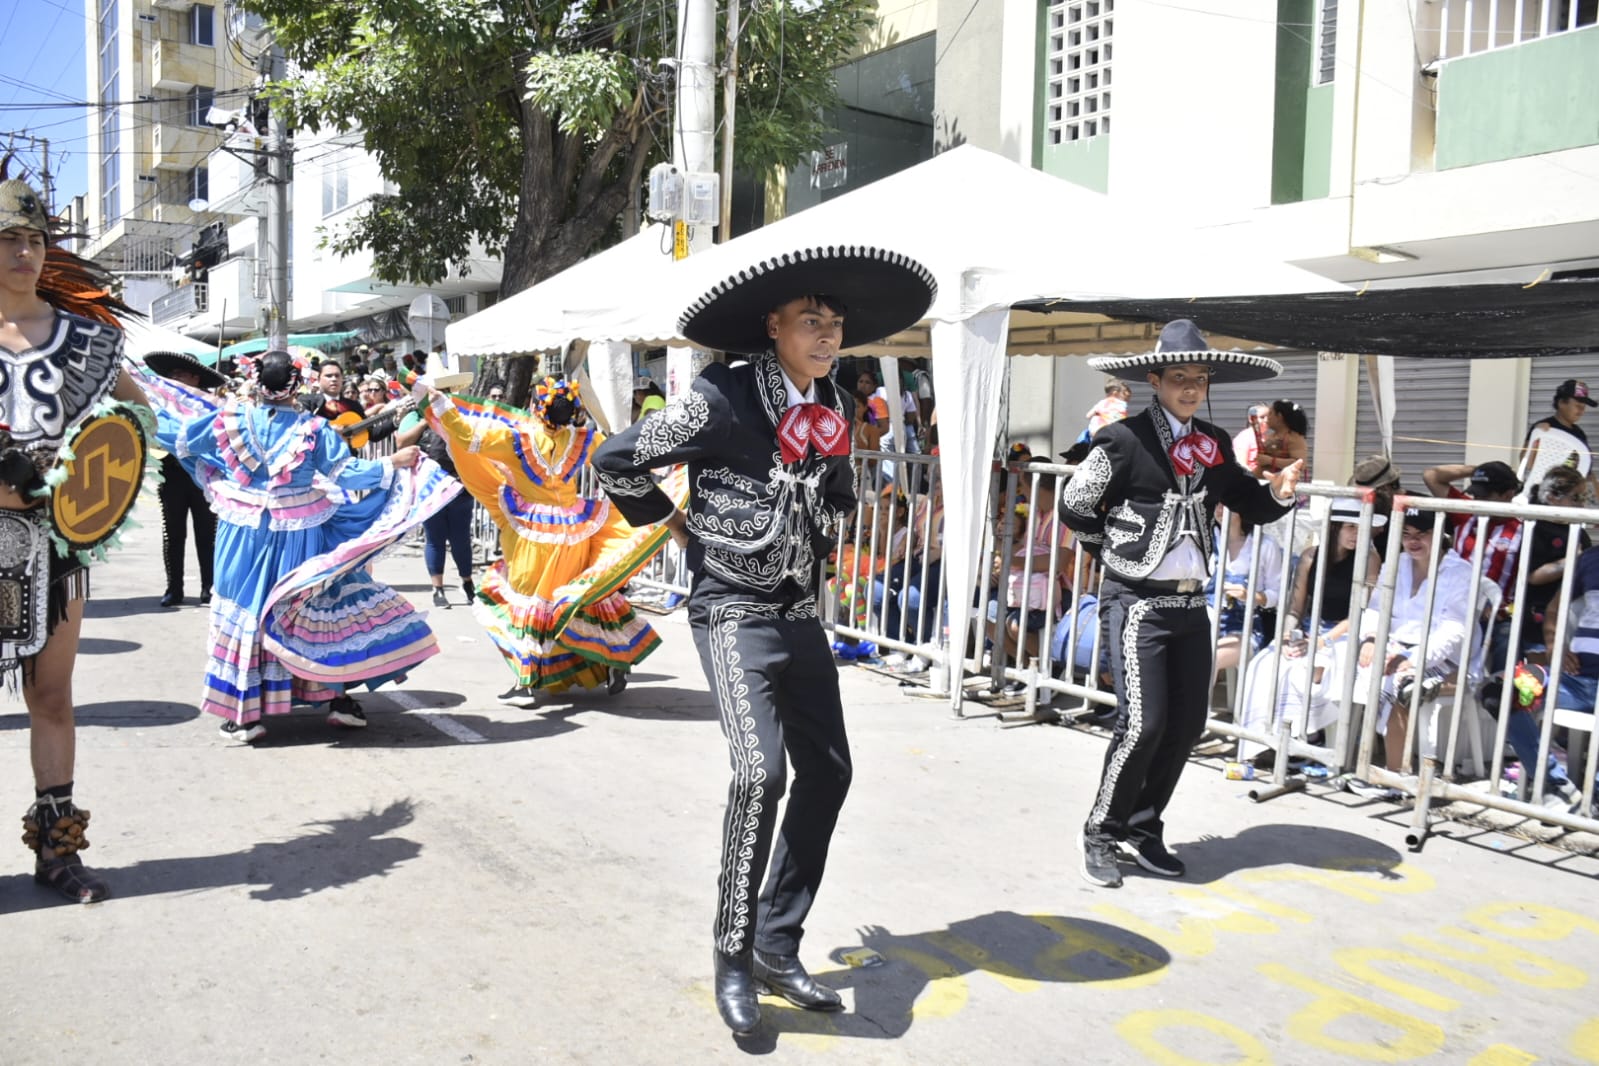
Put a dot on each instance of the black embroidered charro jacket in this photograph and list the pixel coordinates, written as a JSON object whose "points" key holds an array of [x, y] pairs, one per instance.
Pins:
{"points": [[753, 520], [1128, 503]]}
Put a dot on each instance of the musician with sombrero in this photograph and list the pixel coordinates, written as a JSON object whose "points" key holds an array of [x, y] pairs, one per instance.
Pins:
{"points": [[60, 362], [768, 454], [1142, 503], [182, 501]]}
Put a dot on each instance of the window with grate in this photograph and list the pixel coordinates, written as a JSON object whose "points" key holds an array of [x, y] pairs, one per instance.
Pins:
{"points": [[1077, 70], [1326, 41]]}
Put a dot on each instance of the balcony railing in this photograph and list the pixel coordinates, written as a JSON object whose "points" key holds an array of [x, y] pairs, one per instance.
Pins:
{"points": [[181, 303], [1467, 27]]}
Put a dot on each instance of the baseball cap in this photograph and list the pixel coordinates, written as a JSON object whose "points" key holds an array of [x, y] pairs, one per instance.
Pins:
{"points": [[1493, 477], [1572, 389], [1416, 518]]}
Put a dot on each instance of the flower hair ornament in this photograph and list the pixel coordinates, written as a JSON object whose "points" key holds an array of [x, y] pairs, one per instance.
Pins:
{"points": [[552, 389]]}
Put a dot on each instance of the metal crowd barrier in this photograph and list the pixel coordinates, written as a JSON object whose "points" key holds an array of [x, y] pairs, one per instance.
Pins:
{"points": [[1432, 775], [1011, 554]]}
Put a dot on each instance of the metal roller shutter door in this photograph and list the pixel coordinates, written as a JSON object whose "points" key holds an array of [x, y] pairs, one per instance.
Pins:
{"points": [[1429, 415]]}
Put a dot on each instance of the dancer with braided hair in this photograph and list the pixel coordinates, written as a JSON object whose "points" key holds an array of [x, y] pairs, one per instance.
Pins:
{"points": [[551, 603], [61, 351]]}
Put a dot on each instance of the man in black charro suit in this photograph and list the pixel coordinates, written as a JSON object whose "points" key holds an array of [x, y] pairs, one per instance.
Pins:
{"points": [[767, 446]]}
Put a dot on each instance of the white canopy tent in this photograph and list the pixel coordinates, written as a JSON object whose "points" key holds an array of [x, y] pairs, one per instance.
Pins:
{"points": [[140, 338], [993, 233]]}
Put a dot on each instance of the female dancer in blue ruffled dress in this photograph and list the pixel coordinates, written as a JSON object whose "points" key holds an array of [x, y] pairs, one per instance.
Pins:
{"points": [[295, 618]]}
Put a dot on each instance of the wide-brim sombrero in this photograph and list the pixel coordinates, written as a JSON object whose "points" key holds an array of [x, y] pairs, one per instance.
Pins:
{"points": [[164, 363], [883, 292], [1181, 342]]}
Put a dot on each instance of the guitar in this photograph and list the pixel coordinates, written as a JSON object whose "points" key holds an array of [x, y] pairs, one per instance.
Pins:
{"points": [[353, 428]]}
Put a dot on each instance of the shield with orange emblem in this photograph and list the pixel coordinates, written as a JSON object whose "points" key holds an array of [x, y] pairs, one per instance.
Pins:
{"points": [[102, 479]]}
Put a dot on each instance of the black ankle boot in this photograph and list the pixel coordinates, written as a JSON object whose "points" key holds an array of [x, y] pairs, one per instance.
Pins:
{"points": [[735, 992], [784, 975]]}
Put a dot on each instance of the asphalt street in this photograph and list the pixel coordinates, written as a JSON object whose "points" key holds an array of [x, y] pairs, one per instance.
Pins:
{"points": [[466, 883]]}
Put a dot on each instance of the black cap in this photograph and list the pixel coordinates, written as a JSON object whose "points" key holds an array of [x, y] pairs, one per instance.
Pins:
{"points": [[1416, 518], [1492, 478], [1572, 389]]}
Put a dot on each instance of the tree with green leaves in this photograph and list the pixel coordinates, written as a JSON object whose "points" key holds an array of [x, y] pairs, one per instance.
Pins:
{"points": [[528, 125]]}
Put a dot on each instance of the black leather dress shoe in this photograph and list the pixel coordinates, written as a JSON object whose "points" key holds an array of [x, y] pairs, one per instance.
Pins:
{"points": [[735, 992], [172, 599], [784, 975], [205, 597]]}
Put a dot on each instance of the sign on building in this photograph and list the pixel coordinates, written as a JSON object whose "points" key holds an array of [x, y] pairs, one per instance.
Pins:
{"points": [[830, 166]]}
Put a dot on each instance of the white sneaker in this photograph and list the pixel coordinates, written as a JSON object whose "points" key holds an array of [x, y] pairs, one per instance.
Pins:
{"points": [[243, 734]]}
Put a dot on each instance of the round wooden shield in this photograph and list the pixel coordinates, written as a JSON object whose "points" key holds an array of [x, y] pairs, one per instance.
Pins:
{"points": [[102, 480]]}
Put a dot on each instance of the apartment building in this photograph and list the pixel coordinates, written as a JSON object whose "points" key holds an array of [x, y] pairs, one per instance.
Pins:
{"points": [[1375, 142]]}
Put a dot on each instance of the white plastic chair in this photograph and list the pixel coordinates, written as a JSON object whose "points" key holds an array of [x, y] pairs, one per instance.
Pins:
{"points": [[1438, 711], [1577, 721]]}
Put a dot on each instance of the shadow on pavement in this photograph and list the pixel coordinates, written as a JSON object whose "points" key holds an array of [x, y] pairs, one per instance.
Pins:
{"points": [[1016, 949], [124, 607], [106, 646], [334, 853], [118, 713], [1215, 858]]}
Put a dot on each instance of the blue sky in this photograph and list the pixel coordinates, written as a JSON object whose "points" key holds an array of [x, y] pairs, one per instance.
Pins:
{"points": [[45, 64]]}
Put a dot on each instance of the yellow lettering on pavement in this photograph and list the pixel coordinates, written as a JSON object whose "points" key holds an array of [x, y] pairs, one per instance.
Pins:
{"points": [[1360, 964], [1407, 1038], [1520, 965], [980, 958], [1143, 1030], [1060, 962]]}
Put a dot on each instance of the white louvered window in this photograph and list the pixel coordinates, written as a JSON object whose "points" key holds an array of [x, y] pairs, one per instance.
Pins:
{"points": [[1326, 41], [1077, 70]]}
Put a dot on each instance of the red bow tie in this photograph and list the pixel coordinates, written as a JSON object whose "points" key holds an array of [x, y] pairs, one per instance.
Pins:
{"points": [[812, 425], [1194, 451]]}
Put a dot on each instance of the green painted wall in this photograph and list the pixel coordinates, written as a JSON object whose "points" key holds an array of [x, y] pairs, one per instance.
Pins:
{"points": [[1293, 77], [1316, 171], [1541, 96], [1085, 163]]}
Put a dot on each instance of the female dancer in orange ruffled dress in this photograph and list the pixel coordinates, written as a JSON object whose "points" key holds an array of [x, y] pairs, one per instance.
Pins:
{"points": [[551, 604]]}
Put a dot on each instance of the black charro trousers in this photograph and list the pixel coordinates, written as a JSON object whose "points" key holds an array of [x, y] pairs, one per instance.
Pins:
{"points": [[775, 683], [1161, 659], [182, 501]]}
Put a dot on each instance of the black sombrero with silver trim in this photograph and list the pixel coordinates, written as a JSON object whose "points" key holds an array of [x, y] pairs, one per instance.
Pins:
{"points": [[883, 292], [1181, 342], [164, 363]]}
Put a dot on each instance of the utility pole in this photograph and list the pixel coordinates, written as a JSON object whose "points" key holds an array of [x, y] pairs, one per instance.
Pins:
{"points": [[693, 133], [729, 98], [276, 246]]}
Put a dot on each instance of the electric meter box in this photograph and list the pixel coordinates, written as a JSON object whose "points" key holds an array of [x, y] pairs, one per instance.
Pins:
{"points": [[702, 199], [666, 192]]}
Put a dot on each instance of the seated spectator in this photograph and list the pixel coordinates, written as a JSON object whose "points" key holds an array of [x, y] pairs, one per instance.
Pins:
{"points": [[647, 396], [1422, 649], [1297, 679], [1025, 591], [1237, 548], [1493, 482], [911, 608], [1546, 560], [1381, 475], [1579, 673], [1286, 440], [1246, 445]]}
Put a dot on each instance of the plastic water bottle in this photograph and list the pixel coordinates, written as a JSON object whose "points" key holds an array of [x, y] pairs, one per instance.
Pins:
{"points": [[1239, 771]]}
